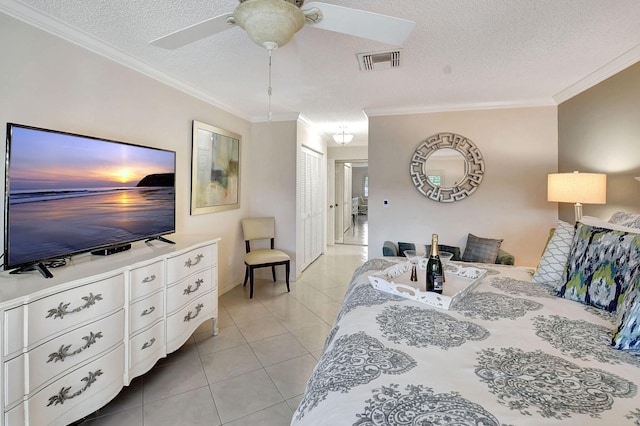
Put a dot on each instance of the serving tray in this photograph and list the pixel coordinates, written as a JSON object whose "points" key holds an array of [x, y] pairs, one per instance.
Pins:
{"points": [[460, 280]]}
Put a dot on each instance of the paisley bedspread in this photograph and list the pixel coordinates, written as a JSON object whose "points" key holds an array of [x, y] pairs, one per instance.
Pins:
{"points": [[510, 353]]}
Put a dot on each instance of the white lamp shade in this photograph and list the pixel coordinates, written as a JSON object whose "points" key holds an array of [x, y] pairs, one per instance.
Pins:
{"points": [[587, 188]]}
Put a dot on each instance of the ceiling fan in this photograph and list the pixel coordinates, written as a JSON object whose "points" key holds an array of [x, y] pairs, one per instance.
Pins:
{"points": [[272, 23]]}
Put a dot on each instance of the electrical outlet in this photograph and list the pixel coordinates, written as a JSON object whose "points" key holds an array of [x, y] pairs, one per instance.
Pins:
{"points": [[385, 203]]}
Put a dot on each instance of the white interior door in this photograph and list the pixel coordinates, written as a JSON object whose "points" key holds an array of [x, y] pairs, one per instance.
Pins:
{"points": [[311, 177]]}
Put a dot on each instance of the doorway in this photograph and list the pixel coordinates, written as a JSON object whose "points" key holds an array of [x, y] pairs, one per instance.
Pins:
{"points": [[351, 201]]}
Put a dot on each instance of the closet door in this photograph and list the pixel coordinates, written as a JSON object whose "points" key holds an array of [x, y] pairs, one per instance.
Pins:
{"points": [[310, 178]]}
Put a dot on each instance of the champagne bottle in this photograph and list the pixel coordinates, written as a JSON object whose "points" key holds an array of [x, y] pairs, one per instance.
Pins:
{"points": [[435, 271]]}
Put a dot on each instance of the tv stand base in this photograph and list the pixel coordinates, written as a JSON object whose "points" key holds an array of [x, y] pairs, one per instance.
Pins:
{"points": [[161, 238], [35, 267]]}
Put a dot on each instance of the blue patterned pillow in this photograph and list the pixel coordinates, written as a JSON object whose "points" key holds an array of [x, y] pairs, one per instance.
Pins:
{"points": [[601, 265], [627, 333]]}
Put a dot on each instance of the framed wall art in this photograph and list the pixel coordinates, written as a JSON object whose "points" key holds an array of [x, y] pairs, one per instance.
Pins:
{"points": [[215, 169]]}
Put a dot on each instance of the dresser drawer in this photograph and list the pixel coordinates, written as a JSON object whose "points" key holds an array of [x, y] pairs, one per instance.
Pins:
{"points": [[183, 265], [67, 309], [145, 312], [80, 392], [13, 388], [183, 323], [15, 416], [70, 349], [145, 349], [13, 329], [188, 289], [146, 279]]}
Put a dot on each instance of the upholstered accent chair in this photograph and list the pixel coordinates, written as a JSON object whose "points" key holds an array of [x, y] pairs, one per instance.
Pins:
{"points": [[262, 228]]}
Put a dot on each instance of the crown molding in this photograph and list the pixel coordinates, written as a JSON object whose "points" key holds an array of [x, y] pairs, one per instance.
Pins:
{"points": [[285, 116], [620, 63], [57, 28], [373, 112]]}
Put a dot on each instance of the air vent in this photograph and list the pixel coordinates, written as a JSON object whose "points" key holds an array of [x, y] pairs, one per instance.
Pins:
{"points": [[380, 60]]}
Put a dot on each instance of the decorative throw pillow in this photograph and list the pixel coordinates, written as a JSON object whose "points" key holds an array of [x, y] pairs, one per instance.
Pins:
{"points": [[627, 333], [484, 250], [625, 219], [600, 266], [426, 249], [594, 221], [411, 246], [554, 259], [455, 251]]}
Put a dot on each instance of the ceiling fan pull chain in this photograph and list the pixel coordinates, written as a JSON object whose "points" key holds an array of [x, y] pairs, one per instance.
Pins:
{"points": [[269, 90]]}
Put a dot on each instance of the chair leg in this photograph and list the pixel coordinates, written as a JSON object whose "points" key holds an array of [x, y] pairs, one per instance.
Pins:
{"points": [[251, 283], [288, 268], [273, 272], [246, 276]]}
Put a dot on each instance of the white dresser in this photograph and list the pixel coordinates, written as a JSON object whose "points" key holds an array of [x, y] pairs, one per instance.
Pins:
{"points": [[70, 343]]}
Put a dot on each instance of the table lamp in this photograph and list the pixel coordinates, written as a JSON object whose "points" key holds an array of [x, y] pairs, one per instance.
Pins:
{"points": [[578, 188]]}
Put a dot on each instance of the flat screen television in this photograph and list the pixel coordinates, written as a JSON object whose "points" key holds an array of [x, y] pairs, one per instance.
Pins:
{"points": [[67, 194]]}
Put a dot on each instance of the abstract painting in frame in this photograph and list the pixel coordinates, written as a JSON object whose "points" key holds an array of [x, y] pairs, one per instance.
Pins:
{"points": [[215, 169]]}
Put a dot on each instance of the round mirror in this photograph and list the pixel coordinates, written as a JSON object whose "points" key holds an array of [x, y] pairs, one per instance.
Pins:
{"points": [[446, 167]]}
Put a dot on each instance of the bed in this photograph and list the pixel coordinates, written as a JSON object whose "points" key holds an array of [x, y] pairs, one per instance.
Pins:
{"points": [[510, 353]]}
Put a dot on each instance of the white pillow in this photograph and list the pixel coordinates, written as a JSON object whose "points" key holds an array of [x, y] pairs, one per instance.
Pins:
{"points": [[626, 219], [594, 221], [554, 259]]}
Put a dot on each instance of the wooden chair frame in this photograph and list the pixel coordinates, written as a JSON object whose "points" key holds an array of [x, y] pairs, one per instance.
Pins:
{"points": [[248, 274]]}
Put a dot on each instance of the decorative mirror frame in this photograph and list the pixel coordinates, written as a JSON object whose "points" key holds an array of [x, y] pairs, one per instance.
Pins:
{"points": [[473, 173]]}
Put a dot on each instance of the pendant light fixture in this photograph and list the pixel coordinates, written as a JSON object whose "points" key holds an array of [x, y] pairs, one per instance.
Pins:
{"points": [[343, 138]]}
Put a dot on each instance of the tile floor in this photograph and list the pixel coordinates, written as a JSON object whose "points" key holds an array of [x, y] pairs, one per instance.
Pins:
{"points": [[358, 233], [254, 372]]}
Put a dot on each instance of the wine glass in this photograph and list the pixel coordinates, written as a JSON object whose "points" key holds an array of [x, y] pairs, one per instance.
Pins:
{"points": [[414, 257]]}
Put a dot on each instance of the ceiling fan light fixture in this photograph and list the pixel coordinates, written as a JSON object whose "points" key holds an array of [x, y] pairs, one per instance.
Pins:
{"points": [[269, 22]]}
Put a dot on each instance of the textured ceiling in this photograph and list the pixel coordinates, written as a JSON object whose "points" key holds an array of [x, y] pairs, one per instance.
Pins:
{"points": [[462, 54]]}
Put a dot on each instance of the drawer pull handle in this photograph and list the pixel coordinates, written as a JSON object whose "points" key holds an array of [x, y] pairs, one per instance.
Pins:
{"points": [[63, 394], [63, 352], [149, 343], [63, 310], [189, 263], [187, 291], [188, 317], [149, 279], [148, 311]]}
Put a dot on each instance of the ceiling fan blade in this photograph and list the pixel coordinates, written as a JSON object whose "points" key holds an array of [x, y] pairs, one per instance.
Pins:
{"points": [[194, 32], [360, 23]]}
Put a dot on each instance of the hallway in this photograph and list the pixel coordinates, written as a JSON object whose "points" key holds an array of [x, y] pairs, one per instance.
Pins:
{"points": [[359, 234]]}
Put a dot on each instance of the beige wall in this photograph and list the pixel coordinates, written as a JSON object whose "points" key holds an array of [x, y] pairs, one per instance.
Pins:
{"points": [[599, 131], [519, 146], [273, 180], [48, 82]]}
